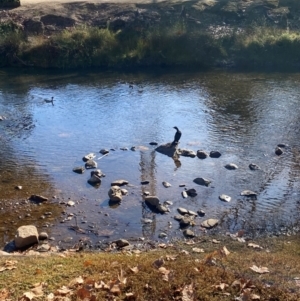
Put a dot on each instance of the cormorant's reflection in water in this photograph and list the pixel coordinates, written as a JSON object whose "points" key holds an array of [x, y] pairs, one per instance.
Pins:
{"points": [[177, 163]]}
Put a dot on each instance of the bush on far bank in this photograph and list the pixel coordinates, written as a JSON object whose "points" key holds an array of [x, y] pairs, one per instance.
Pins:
{"points": [[9, 3]]}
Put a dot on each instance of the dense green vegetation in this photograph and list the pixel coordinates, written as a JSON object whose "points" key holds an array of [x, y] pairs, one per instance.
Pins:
{"points": [[176, 45]]}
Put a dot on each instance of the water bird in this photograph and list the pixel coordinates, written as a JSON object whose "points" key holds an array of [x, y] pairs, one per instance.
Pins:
{"points": [[177, 136], [50, 100]]}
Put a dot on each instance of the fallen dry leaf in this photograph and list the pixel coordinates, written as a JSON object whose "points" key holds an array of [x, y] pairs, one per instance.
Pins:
{"points": [[255, 246], [165, 273], [115, 289], [9, 265], [75, 282], [134, 270], [221, 286], [121, 277], [260, 270], [188, 293], [214, 241], [224, 251], [171, 257], [4, 294], [164, 246], [101, 285], [184, 252], [198, 250], [63, 291], [191, 242]]}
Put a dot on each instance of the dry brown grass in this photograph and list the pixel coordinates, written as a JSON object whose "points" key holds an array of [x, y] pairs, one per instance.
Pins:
{"points": [[128, 275]]}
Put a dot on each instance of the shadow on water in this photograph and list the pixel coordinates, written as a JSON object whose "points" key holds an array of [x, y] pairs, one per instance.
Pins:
{"points": [[244, 116]]}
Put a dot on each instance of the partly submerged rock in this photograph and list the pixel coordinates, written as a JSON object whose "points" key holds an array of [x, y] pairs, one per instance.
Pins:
{"points": [[26, 236], [152, 200], [201, 212], [215, 154], [201, 154], [88, 157], [90, 164], [182, 210], [186, 153], [38, 198], [120, 182], [153, 143], [202, 181], [225, 198], [191, 192], [166, 184], [210, 223], [248, 193], [115, 194], [253, 166], [79, 169], [278, 151], [104, 151], [168, 149], [188, 233], [94, 180], [231, 166], [184, 194]]}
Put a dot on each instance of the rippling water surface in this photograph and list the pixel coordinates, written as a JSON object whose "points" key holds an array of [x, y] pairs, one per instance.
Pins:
{"points": [[244, 116]]}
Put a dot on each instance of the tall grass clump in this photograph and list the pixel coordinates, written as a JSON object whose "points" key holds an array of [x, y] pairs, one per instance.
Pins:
{"points": [[11, 40], [76, 48], [267, 47]]}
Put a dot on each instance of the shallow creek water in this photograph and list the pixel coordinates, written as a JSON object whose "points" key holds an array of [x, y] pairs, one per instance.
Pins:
{"points": [[242, 115]]}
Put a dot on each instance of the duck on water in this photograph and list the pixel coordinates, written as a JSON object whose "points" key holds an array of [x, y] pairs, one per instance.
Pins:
{"points": [[50, 100]]}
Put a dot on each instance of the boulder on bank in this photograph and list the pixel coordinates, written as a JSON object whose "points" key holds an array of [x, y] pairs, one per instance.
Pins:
{"points": [[168, 149], [26, 236]]}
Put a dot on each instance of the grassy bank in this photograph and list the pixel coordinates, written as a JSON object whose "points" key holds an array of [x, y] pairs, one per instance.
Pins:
{"points": [[172, 272], [175, 45]]}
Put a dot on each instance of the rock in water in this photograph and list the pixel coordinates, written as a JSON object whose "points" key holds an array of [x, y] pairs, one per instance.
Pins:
{"points": [[186, 153], [184, 194], [210, 223], [166, 184], [191, 192], [188, 233], [88, 157], [104, 151], [90, 164], [215, 154], [79, 169], [115, 194], [153, 143], [168, 149], [152, 200], [225, 198], [201, 154], [278, 151], [26, 236], [94, 180], [231, 166], [248, 193], [121, 243], [119, 183], [202, 181], [253, 166]]}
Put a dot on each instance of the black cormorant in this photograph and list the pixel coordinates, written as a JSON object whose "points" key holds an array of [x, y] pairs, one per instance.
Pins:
{"points": [[177, 136]]}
